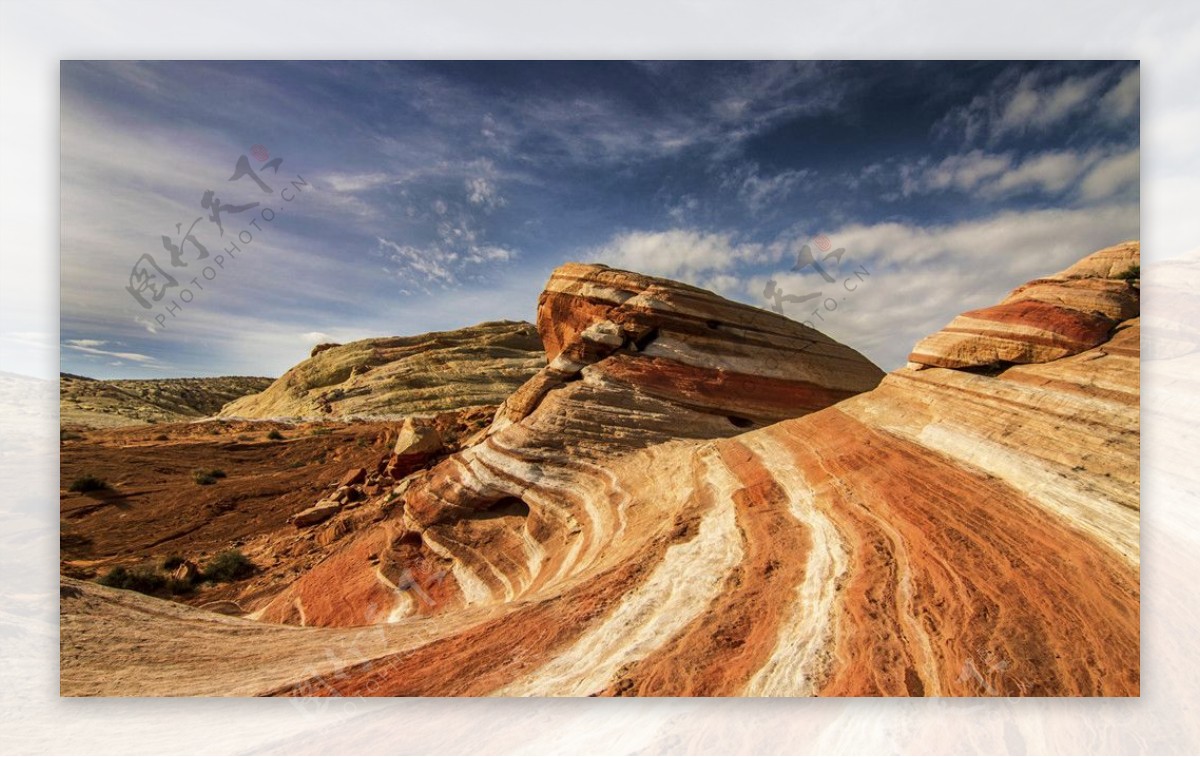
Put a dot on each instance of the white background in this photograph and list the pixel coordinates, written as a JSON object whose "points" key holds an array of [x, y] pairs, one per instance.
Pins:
{"points": [[34, 36]]}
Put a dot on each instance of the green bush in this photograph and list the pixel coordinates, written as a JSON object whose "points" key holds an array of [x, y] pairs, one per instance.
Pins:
{"points": [[161, 438], [229, 565], [171, 562], [142, 579], [88, 484], [274, 435]]}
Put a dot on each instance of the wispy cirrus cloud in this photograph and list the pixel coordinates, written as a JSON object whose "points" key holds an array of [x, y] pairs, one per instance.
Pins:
{"points": [[1094, 174], [1020, 104], [92, 347]]}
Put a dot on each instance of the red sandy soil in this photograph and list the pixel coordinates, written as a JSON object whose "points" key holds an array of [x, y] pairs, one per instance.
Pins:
{"points": [[153, 508]]}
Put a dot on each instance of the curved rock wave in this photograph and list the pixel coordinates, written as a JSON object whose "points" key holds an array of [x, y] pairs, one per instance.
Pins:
{"points": [[631, 525]]}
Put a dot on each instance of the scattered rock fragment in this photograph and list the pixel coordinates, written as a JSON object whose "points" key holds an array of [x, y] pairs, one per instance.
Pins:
{"points": [[318, 513], [353, 476], [418, 436]]}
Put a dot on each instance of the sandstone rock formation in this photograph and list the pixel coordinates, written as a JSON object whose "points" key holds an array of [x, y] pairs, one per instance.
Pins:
{"points": [[95, 403], [633, 361], [399, 376], [968, 530], [318, 513], [1046, 319]]}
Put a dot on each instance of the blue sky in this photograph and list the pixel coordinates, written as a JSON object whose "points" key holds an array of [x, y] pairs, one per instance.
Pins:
{"points": [[440, 194]]}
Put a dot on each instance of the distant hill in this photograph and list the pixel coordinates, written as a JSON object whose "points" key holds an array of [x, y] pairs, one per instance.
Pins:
{"points": [[403, 375], [99, 403]]}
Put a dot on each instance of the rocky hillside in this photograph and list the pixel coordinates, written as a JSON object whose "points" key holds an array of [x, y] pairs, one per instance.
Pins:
{"points": [[95, 403], [699, 498], [398, 376]]}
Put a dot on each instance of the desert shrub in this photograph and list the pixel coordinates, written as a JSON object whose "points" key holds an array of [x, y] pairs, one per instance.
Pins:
{"points": [[88, 483], [274, 434], [161, 438], [1132, 273], [171, 562], [320, 432], [142, 579], [229, 565], [68, 436], [116, 578], [207, 477], [296, 464]]}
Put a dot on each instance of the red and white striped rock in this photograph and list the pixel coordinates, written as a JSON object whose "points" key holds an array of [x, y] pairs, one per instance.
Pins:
{"points": [[1047, 319], [947, 533], [634, 361]]}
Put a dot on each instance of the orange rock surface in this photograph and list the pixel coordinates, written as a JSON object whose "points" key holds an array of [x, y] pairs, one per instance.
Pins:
{"points": [[733, 509]]}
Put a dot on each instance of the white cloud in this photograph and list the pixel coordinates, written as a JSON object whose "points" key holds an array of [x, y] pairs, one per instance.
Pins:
{"points": [[133, 357], [1112, 175], [1121, 102], [482, 191], [921, 277], [441, 265], [962, 172], [359, 182], [680, 254], [1033, 104], [759, 192], [1093, 175], [1048, 172]]}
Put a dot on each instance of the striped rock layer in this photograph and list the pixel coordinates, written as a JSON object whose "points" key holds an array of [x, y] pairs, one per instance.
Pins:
{"points": [[634, 362], [949, 532], [1064, 314]]}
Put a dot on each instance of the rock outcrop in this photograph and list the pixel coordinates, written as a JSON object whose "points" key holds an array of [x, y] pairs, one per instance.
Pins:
{"points": [[100, 403], [951, 531], [1046, 319], [633, 361], [400, 376]]}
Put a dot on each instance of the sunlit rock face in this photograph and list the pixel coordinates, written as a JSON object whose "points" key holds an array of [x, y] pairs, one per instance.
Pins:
{"points": [[969, 530], [404, 375], [632, 362], [1064, 314]]}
